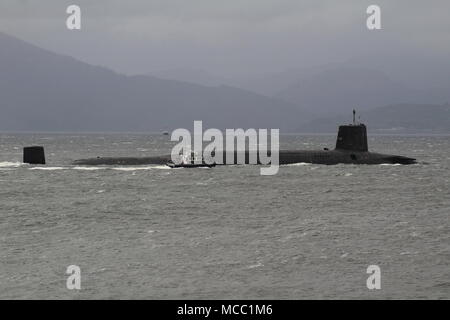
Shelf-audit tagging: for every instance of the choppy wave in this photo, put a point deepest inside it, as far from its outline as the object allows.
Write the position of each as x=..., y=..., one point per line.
x=257, y=265
x=163, y=167
x=298, y=164
x=47, y=168
x=9, y=164
x=88, y=168
x=139, y=213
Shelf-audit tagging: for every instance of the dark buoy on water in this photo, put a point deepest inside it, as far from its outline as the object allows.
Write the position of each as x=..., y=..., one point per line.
x=34, y=155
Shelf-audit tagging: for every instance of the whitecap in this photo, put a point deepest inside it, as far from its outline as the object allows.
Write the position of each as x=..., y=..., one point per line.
x=164, y=167
x=88, y=168
x=134, y=168
x=47, y=168
x=298, y=164
x=9, y=164
x=259, y=264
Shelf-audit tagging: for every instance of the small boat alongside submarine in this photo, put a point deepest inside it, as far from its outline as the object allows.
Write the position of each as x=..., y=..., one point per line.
x=190, y=161
x=351, y=148
x=172, y=165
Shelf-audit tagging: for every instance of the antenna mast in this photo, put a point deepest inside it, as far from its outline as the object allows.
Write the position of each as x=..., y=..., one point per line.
x=354, y=114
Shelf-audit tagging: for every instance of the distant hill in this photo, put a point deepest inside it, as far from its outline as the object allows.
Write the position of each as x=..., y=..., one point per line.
x=401, y=118
x=191, y=75
x=44, y=91
x=362, y=82
x=337, y=89
x=272, y=83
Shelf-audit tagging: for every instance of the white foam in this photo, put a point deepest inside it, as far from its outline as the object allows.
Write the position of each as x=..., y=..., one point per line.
x=299, y=164
x=87, y=168
x=124, y=168
x=164, y=167
x=253, y=266
x=8, y=164
x=48, y=168
x=390, y=164
x=135, y=168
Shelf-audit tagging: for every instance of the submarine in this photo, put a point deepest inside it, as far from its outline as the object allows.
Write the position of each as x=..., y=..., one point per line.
x=351, y=148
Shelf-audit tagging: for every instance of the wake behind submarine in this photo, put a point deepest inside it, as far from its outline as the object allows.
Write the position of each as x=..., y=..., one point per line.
x=351, y=148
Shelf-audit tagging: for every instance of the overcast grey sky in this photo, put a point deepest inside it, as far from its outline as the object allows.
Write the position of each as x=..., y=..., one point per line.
x=228, y=37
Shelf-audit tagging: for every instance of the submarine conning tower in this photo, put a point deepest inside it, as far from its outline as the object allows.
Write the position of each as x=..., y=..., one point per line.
x=352, y=137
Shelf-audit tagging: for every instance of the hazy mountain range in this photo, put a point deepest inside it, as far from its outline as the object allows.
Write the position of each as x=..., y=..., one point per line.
x=44, y=91
x=41, y=90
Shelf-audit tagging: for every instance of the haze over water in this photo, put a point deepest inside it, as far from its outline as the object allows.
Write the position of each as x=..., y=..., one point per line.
x=308, y=232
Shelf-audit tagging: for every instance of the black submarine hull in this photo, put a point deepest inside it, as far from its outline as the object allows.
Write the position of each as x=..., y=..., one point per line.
x=334, y=157
x=331, y=157
x=351, y=148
